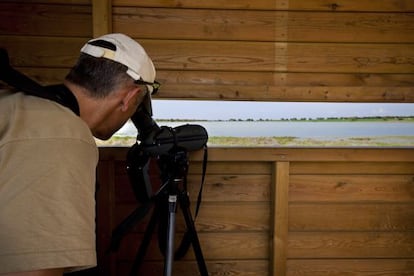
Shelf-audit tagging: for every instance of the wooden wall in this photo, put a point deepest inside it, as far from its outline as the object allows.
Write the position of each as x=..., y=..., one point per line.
x=265, y=211
x=267, y=50
x=293, y=211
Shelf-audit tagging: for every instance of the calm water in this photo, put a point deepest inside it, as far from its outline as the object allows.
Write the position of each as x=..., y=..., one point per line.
x=295, y=129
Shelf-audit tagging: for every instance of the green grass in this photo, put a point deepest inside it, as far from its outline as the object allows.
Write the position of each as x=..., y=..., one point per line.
x=389, y=141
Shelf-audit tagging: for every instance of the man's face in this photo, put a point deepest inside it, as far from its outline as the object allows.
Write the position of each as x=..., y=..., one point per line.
x=129, y=97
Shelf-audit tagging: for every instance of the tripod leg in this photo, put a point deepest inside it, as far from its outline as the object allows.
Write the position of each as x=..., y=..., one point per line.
x=145, y=242
x=169, y=256
x=192, y=233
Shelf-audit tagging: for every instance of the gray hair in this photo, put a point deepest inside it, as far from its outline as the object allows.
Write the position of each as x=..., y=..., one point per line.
x=99, y=76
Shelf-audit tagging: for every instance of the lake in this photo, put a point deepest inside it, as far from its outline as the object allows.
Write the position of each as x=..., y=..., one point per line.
x=320, y=130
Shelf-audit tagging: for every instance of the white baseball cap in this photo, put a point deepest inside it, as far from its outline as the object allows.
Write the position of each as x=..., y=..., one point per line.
x=123, y=49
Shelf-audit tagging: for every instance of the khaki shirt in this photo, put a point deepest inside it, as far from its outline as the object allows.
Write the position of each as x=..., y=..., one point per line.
x=48, y=159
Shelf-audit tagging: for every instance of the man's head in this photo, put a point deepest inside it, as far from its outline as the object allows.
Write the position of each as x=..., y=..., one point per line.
x=114, y=75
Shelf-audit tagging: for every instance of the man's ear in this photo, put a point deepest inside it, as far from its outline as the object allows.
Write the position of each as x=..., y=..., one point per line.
x=130, y=98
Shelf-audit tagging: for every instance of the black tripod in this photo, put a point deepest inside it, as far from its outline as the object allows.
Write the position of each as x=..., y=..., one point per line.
x=173, y=192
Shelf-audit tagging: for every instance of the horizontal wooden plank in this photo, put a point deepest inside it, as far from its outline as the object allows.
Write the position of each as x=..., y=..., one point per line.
x=353, y=245
x=215, y=246
x=351, y=188
x=232, y=188
x=343, y=94
x=32, y=51
x=349, y=5
x=351, y=217
x=220, y=4
x=217, y=217
x=238, y=168
x=282, y=80
x=190, y=268
x=182, y=79
x=223, y=188
x=45, y=20
x=309, y=154
x=63, y=2
x=341, y=5
x=350, y=58
x=292, y=94
x=243, y=154
x=219, y=174
x=202, y=24
x=44, y=76
x=281, y=57
x=369, y=168
x=233, y=217
x=348, y=27
x=350, y=267
x=223, y=55
x=204, y=55
x=195, y=167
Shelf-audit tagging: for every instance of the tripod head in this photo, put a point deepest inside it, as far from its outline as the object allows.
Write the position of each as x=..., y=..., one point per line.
x=169, y=145
x=158, y=141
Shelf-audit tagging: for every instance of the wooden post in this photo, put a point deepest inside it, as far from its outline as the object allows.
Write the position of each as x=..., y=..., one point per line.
x=280, y=219
x=101, y=17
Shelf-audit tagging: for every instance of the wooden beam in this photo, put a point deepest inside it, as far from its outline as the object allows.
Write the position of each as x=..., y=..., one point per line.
x=101, y=17
x=278, y=253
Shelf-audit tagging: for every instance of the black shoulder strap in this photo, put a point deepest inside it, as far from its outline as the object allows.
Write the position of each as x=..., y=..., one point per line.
x=58, y=93
x=62, y=95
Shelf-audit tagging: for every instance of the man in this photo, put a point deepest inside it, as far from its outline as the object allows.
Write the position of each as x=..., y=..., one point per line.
x=48, y=157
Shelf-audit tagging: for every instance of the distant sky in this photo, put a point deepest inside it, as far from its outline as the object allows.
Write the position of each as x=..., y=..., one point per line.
x=225, y=110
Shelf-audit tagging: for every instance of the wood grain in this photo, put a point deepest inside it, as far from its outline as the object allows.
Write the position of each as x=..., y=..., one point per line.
x=342, y=5
x=263, y=25
x=347, y=207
